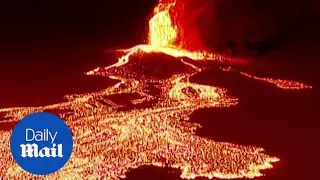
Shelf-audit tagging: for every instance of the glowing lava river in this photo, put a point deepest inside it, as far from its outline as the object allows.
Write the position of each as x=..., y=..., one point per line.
x=110, y=138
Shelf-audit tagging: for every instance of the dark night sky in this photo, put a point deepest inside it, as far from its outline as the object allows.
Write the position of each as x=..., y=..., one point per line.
x=35, y=21
x=49, y=44
x=64, y=21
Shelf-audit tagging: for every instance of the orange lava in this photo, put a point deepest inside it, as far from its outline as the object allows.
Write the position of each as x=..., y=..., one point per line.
x=282, y=84
x=110, y=138
x=279, y=83
x=164, y=38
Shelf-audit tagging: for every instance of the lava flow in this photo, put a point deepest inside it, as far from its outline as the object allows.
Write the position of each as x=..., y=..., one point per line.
x=111, y=138
x=164, y=38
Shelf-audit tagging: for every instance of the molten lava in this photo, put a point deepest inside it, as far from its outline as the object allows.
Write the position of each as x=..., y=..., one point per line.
x=110, y=139
x=164, y=37
x=162, y=31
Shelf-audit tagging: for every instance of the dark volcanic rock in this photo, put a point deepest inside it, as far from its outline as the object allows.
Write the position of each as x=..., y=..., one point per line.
x=150, y=66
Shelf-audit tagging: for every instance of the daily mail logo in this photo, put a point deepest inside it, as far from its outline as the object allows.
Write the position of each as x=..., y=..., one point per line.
x=33, y=150
x=41, y=143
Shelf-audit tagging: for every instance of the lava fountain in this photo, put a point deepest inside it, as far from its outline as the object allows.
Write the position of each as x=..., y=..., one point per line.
x=165, y=37
x=110, y=138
